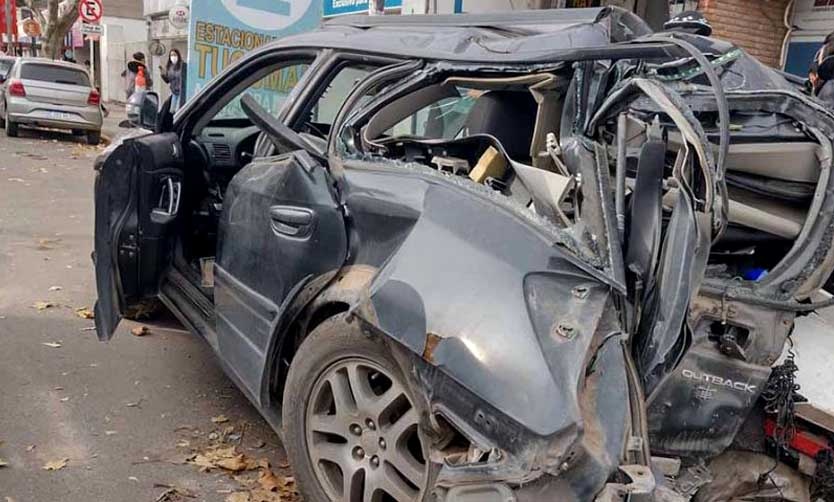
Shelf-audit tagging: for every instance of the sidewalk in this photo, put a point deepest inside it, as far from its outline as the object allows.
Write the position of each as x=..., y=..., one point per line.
x=110, y=128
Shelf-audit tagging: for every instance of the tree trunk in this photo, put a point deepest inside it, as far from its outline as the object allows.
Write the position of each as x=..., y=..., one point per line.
x=55, y=25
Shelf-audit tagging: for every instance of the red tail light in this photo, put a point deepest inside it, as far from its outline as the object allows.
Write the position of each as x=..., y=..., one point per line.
x=95, y=98
x=16, y=88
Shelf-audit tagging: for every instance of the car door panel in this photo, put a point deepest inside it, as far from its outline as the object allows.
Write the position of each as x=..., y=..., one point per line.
x=281, y=226
x=137, y=193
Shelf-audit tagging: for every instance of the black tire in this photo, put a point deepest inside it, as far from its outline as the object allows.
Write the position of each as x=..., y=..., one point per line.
x=78, y=132
x=3, y=121
x=93, y=137
x=330, y=344
x=11, y=128
x=145, y=310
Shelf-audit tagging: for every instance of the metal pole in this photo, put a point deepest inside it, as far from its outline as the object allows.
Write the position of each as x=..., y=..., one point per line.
x=8, y=5
x=93, y=60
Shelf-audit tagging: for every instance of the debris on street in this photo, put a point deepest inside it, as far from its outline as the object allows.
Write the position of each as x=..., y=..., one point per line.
x=43, y=305
x=55, y=465
x=52, y=345
x=84, y=313
x=140, y=331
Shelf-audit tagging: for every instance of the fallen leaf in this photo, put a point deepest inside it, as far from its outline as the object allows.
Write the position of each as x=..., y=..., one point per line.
x=259, y=444
x=220, y=419
x=238, y=497
x=226, y=458
x=85, y=313
x=133, y=478
x=31, y=447
x=3, y=463
x=46, y=244
x=183, y=443
x=43, y=305
x=140, y=331
x=55, y=288
x=54, y=465
x=135, y=404
x=269, y=481
x=89, y=328
x=53, y=345
x=110, y=433
x=64, y=399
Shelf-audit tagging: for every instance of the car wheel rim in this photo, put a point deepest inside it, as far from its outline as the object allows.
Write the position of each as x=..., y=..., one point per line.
x=361, y=431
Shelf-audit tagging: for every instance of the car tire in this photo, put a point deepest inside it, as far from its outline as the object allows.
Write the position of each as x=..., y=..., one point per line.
x=11, y=128
x=371, y=420
x=93, y=137
x=78, y=132
x=3, y=121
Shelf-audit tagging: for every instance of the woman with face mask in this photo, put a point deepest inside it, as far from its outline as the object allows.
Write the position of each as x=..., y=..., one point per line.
x=174, y=75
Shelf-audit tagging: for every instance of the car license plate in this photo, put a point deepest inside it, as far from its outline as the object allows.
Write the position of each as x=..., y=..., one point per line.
x=60, y=115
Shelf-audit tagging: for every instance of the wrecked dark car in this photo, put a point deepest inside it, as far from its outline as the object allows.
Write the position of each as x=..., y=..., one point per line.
x=535, y=256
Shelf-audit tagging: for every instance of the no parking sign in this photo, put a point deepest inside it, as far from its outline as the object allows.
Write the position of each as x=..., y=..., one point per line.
x=90, y=10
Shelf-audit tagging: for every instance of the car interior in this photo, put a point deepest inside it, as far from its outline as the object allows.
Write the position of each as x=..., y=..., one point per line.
x=502, y=132
x=230, y=140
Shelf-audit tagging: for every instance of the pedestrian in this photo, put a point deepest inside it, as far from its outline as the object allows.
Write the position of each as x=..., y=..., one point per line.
x=174, y=74
x=821, y=72
x=132, y=70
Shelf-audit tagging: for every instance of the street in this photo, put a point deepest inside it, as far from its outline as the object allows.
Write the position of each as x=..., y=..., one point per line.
x=125, y=420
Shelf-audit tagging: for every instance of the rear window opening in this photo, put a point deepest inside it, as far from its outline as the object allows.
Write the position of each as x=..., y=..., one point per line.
x=54, y=73
x=503, y=132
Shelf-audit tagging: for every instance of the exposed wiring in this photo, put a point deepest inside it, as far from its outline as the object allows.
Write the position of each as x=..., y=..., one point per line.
x=822, y=484
x=779, y=397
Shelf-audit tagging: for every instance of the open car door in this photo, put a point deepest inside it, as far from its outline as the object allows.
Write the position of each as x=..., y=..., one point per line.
x=137, y=196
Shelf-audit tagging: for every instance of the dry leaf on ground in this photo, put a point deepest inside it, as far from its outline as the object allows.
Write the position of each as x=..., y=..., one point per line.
x=3, y=463
x=140, y=331
x=43, y=305
x=53, y=345
x=238, y=497
x=46, y=244
x=54, y=465
x=85, y=313
x=220, y=419
x=55, y=288
x=226, y=458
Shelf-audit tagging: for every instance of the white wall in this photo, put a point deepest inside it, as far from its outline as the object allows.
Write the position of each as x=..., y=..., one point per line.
x=122, y=37
x=157, y=6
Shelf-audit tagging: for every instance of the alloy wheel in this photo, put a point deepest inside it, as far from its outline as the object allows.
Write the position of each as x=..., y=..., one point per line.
x=361, y=432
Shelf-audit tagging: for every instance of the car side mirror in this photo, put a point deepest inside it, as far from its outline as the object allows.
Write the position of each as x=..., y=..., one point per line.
x=143, y=109
x=825, y=71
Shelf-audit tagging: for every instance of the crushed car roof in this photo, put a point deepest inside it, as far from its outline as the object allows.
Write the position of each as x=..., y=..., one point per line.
x=516, y=36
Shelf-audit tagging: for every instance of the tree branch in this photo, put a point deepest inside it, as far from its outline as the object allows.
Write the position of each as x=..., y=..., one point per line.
x=70, y=15
x=36, y=12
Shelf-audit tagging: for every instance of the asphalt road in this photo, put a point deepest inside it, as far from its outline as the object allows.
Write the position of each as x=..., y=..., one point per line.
x=124, y=415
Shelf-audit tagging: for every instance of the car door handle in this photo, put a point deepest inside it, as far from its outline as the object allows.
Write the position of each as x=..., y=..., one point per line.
x=292, y=221
x=169, y=202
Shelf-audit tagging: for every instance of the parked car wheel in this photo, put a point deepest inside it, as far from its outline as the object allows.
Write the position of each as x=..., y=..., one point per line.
x=78, y=132
x=3, y=120
x=11, y=128
x=93, y=137
x=350, y=423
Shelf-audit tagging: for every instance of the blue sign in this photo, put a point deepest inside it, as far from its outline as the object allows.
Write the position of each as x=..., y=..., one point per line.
x=221, y=31
x=340, y=7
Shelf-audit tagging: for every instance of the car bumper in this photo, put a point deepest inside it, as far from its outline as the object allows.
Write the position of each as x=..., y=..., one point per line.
x=60, y=116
